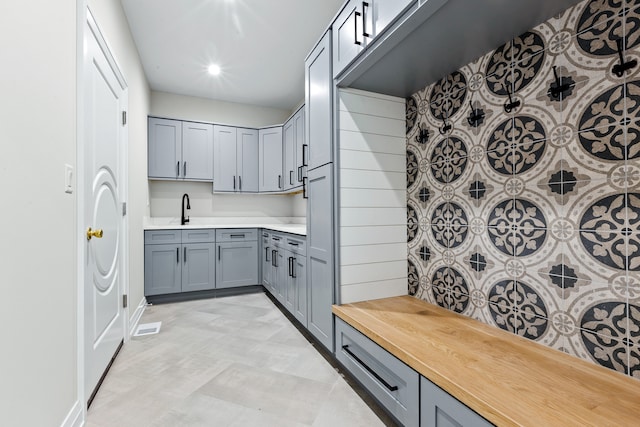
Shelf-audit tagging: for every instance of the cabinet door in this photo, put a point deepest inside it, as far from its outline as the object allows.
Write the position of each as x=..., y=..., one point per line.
x=197, y=151
x=270, y=152
x=301, y=147
x=384, y=13
x=198, y=267
x=289, y=136
x=247, y=154
x=281, y=276
x=320, y=254
x=165, y=148
x=224, y=142
x=290, y=283
x=348, y=38
x=162, y=269
x=237, y=264
x=439, y=409
x=266, y=261
x=300, y=277
x=318, y=103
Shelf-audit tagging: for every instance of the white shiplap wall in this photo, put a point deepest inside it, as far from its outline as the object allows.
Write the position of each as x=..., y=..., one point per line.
x=373, y=201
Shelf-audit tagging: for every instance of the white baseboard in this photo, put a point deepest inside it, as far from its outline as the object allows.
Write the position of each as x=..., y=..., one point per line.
x=135, y=319
x=74, y=417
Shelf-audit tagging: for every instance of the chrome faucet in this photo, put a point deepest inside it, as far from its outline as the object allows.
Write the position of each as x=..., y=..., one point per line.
x=184, y=219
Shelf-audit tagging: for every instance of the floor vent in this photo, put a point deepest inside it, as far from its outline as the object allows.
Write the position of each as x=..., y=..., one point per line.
x=147, y=329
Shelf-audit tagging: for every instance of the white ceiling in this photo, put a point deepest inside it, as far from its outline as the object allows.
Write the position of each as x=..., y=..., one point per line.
x=259, y=44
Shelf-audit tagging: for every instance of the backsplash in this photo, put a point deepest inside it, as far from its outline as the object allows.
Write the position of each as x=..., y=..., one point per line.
x=523, y=186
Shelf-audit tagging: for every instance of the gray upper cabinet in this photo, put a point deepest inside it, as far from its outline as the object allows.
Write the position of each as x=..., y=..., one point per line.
x=197, y=151
x=289, y=148
x=224, y=142
x=318, y=103
x=270, y=159
x=348, y=38
x=247, y=153
x=180, y=150
x=383, y=13
x=165, y=148
x=294, y=150
x=301, y=147
x=236, y=159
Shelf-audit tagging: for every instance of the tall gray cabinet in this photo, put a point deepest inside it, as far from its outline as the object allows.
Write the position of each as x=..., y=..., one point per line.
x=320, y=192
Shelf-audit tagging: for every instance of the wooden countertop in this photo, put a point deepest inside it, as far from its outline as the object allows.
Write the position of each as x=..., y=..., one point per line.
x=507, y=379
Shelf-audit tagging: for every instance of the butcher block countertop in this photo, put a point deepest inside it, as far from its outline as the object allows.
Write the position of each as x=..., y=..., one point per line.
x=507, y=379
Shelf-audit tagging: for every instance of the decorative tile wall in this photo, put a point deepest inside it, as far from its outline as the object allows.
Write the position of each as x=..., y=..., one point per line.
x=523, y=185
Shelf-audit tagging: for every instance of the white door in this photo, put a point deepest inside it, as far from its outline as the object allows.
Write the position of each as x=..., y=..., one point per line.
x=105, y=99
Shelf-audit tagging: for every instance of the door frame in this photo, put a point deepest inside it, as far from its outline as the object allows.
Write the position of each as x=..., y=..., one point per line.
x=85, y=25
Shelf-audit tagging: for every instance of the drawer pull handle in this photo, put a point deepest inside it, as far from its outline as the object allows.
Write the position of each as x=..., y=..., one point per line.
x=266, y=254
x=237, y=236
x=371, y=371
x=293, y=244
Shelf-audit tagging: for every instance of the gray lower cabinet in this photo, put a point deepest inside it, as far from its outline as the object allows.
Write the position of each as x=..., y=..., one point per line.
x=266, y=260
x=389, y=380
x=237, y=258
x=299, y=279
x=162, y=269
x=178, y=261
x=439, y=409
x=198, y=267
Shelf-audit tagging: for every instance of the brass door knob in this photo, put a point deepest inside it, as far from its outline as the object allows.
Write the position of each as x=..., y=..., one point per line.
x=94, y=233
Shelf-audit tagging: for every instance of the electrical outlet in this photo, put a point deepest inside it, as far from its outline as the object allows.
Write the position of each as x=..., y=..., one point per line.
x=68, y=179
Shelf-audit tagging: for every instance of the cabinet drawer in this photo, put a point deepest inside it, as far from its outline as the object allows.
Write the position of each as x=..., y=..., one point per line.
x=160, y=237
x=438, y=408
x=277, y=240
x=236, y=235
x=390, y=381
x=201, y=235
x=296, y=245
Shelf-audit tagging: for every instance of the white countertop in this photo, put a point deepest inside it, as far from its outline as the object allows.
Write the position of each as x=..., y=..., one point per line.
x=286, y=225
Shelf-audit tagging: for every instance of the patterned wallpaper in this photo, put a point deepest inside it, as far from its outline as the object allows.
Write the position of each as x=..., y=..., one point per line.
x=523, y=181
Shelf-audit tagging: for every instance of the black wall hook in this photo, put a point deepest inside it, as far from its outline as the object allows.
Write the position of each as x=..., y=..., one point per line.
x=446, y=128
x=511, y=105
x=476, y=116
x=423, y=136
x=623, y=66
x=561, y=86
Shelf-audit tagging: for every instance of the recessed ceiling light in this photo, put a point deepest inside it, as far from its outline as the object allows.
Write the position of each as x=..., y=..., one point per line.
x=214, y=69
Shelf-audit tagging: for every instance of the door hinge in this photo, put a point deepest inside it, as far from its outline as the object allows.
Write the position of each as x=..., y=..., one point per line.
x=124, y=208
x=124, y=118
x=124, y=301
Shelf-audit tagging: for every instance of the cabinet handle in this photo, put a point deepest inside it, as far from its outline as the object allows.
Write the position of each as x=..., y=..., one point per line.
x=304, y=154
x=185, y=255
x=236, y=236
x=279, y=181
x=177, y=255
x=290, y=177
x=218, y=252
x=274, y=256
x=289, y=272
x=293, y=243
x=184, y=169
x=266, y=254
x=355, y=25
x=365, y=5
x=177, y=169
x=240, y=182
x=234, y=182
x=304, y=188
x=371, y=371
x=293, y=267
x=300, y=173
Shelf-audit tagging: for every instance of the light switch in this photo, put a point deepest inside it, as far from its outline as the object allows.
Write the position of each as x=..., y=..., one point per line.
x=68, y=179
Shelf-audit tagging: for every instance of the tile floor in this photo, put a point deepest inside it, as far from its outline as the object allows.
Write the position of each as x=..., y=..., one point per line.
x=233, y=361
